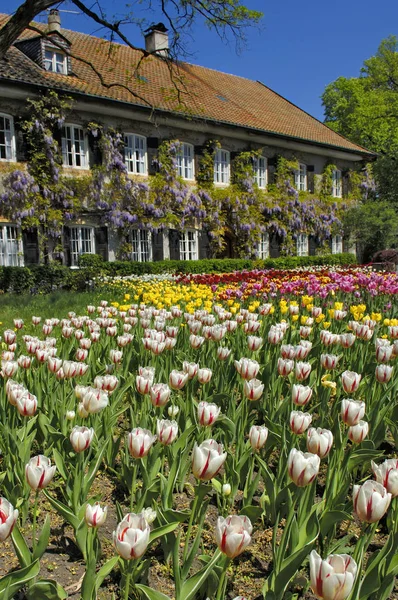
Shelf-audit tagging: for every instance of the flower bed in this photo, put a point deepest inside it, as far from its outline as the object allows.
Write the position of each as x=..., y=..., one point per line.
x=205, y=436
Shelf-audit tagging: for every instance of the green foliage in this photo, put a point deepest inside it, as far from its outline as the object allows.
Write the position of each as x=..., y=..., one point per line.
x=205, y=175
x=365, y=109
x=373, y=225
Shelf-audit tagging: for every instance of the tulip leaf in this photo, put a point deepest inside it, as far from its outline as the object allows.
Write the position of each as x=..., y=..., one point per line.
x=251, y=511
x=21, y=548
x=361, y=456
x=162, y=530
x=105, y=570
x=60, y=463
x=191, y=586
x=43, y=539
x=11, y=583
x=171, y=515
x=94, y=466
x=63, y=510
x=149, y=593
x=378, y=568
x=46, y=589
x=330, y=518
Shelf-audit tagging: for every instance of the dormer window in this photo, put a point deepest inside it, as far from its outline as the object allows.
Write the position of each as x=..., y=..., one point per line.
x=56, y=62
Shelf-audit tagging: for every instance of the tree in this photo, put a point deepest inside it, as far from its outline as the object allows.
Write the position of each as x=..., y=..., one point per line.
x=223, y=16
x=365, y=109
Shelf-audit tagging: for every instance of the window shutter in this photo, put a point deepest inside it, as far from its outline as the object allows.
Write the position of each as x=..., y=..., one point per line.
x=101, y=241
x=67, y=249
x=274, y=250
x=152, y=142
x=312, y=245
x=20, y=142
x=157, y=245
x=94, y=147
x=311, y=179
x=174, y=240
x=204, y=248
x=30, y=243
x=345, y=182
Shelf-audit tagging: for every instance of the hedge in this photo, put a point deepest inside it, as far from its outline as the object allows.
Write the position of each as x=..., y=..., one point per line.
x=47, y=278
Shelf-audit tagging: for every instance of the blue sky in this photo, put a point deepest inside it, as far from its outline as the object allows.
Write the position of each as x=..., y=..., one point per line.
x=298, y=50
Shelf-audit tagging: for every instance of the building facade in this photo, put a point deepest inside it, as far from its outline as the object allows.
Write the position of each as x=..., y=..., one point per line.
x=261, y=173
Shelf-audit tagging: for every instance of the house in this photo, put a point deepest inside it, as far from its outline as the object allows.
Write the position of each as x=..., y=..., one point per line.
x=162, y=101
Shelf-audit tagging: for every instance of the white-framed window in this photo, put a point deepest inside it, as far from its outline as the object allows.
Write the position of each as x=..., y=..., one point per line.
x=56, y=62
x=185, y=161
x=263, y=246
x=135, y=155
x=140, y=245
x=189, y=245
x=260, y=171
x=337, y=244
x=221, y=166
x=300, y=178
x=302, y=244
x=74, y=147
x=82, y=241
x=7, y=138
x=337, y=186
x=11, y=250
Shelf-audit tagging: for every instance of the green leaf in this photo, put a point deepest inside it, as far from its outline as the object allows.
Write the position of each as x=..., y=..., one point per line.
x=89, y=478
x=63, y=510
x=21, y=548
x=163, y=530
x=191, y=586
x=60, y=463
x=43, y=539
x=46, y=589
x=105, y=570
x=330, y=518
x=149, y=593
x=11, y=583
x=251, y=511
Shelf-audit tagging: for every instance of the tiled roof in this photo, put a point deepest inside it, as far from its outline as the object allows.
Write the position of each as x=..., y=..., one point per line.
x=210, y=95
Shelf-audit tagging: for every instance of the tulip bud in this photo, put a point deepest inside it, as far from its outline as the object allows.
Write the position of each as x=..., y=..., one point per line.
x=285, y=366
x=26, y=404
x=226, y=489
x=173, y=411
x=253, y=389
x=387, y=475
x=177, y=379
x=8, y=518
x=301, y=394
x=223, y=353
x=167, y=431
x=95, y=515
x=36, y=320
x=352, y=411
x=383, y=373
x=140, y=441
x=233, y=534
x=70, y=415
x=357, y=433
x=333, y=578
x=302, y=467
x=350, y=381
x=319, y=441
x=371, y=500
x=258, y=435
x=204, y=375
x=81, y=438
x=207, y=459
x=131, y=537
x=299, y=421
x=247, y=368
x=302, y=370
x=207, y=413
x=329, y=361
x=39, y=472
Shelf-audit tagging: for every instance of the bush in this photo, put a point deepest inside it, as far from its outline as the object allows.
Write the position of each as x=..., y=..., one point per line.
x=47, y=278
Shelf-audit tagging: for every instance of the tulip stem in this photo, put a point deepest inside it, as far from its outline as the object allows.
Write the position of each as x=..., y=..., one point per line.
x=129, y=571
x=223, y=580
x=34, y=524
x=133, y=485
x=190, y=524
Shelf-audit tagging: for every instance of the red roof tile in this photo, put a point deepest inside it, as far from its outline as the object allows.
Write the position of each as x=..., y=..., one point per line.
x=210, y=95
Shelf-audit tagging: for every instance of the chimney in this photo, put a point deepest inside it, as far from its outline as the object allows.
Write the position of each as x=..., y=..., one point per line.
x=54, y=21
x=157, y=40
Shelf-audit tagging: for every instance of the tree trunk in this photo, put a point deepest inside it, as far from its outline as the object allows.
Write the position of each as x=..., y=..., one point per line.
x=20, y=20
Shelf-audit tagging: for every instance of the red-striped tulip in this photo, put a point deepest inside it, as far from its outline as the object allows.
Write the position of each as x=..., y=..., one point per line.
x=357, y=433
x=95, y=515
x=334, y=577
x=207, y=459
x=139, y=442
x=319, y=441
x=207, y=413
x=233, y=534
x=371, y=501
x=302, y=467
x=39, y=472
x=131, y=537
x=299, y=421
x=387, y=475
x=8, y=518
x=350, y=381
x=81, y=438
x=352, y=411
